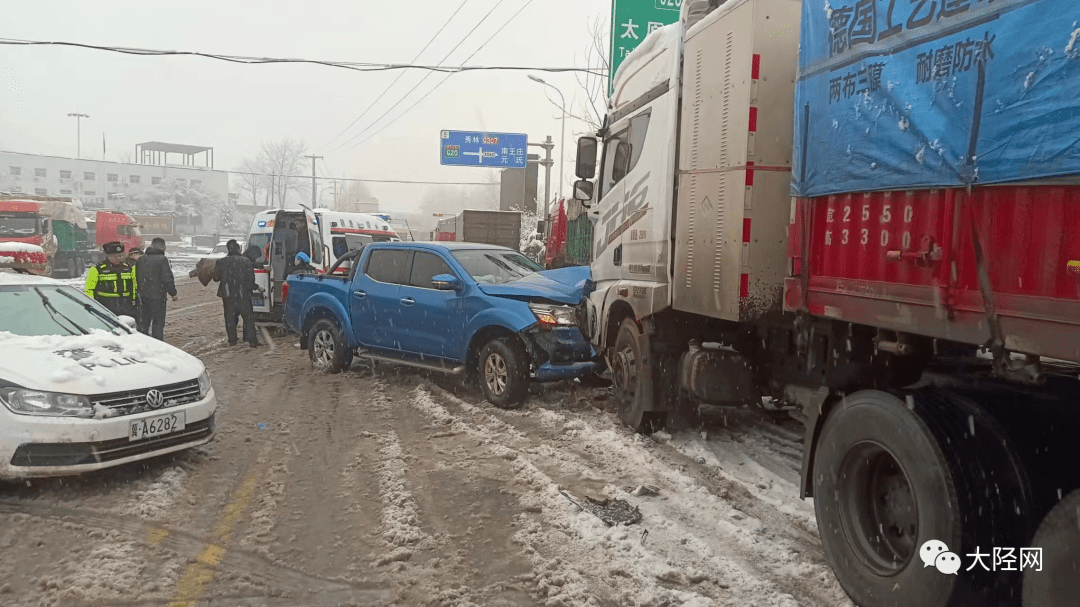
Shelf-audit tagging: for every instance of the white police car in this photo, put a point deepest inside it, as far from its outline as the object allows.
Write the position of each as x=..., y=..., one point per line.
x=81, y=389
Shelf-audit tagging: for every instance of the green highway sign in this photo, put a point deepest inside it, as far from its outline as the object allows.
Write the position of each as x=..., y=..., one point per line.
x=632, y=21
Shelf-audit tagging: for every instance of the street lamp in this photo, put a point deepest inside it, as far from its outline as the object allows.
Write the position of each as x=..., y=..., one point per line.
x=78, y=132
x=562, y=142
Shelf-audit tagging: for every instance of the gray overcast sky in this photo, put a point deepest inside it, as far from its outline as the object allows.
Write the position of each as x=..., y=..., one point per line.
x=234, y=107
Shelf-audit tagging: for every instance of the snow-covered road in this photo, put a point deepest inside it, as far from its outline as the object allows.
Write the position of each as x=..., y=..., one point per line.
x=389, y=486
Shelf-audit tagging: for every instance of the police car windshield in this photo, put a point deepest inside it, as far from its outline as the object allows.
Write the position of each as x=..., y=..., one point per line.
x=25, y=315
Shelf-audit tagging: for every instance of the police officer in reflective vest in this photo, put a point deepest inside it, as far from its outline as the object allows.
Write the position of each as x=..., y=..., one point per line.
x=112, y=282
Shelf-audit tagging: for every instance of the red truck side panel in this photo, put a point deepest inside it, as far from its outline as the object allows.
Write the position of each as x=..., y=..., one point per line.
x=906, y=261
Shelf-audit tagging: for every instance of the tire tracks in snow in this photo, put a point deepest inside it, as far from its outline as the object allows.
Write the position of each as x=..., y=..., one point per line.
x=710, y=554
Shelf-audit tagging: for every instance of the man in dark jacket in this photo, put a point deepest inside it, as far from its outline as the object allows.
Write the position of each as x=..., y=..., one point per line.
x=155, y=280
x=237, y=276
x=254, y=253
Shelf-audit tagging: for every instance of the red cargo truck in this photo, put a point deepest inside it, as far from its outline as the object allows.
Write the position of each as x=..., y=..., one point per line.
x=114, y=226
x=879, y=233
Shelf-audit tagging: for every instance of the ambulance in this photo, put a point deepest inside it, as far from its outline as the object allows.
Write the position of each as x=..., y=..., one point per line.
x=323, y=234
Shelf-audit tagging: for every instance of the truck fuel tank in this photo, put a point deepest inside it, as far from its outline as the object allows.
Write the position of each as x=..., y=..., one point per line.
x=716, y=376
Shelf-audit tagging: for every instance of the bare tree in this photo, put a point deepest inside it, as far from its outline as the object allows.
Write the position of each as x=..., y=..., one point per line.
x=594, y=82
x=284, y=160
x=251, y=182
x=124, y=157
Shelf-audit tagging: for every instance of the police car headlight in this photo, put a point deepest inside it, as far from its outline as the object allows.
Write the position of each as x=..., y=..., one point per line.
x=204, y=384
x=39, y=402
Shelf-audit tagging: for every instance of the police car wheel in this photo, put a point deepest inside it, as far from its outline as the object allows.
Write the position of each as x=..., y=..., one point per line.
x=892, y=472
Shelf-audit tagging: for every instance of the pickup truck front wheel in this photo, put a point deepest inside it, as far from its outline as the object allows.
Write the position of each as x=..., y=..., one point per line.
x=502, y=373
x=327, y=348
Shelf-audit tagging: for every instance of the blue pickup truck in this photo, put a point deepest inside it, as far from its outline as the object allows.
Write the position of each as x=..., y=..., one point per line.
x=453, y=307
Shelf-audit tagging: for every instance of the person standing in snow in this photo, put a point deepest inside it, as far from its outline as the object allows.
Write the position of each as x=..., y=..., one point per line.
x=237, y=276
x=112, y=282
x=254, y=254
x=156, y=279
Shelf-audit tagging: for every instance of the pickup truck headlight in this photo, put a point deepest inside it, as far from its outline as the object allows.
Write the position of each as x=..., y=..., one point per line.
x=39, y=402
x=554, y=316
x=204, y=384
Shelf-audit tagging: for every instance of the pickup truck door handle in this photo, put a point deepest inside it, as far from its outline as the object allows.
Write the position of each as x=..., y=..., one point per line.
x=407, y=301
x=359, y=294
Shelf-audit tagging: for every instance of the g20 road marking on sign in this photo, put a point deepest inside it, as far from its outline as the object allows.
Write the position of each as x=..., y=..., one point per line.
x=479, y=149
x=632, y=21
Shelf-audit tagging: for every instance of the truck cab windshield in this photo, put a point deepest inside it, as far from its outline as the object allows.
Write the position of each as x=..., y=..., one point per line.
x=20, y=224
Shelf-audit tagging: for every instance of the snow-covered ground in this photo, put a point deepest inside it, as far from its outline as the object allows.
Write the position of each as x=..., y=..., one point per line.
x=395, y=487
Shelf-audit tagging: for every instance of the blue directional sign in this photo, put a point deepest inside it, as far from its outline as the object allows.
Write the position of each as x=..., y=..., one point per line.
x=477, y=149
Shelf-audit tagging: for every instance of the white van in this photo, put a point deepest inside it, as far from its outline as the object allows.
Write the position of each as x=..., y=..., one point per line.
x=323, y=234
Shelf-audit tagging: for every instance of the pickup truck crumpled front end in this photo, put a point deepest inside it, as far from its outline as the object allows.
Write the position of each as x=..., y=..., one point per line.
x=560, y=353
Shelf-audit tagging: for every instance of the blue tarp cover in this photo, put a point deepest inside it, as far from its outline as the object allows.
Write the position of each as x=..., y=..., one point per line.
x=906, y=94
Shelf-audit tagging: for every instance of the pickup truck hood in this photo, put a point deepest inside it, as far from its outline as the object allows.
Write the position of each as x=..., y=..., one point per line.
x=566, y=285
x=98, y=363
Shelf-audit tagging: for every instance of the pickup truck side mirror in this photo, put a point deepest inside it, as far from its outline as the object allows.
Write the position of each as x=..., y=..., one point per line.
x=586, y=158
x=446, y=282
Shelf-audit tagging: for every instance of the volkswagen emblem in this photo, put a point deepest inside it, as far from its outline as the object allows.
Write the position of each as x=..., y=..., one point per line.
x=155, y=399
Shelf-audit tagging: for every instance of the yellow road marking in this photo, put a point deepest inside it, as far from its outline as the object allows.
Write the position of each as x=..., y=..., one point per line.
x=155, y=536
x=194, y=580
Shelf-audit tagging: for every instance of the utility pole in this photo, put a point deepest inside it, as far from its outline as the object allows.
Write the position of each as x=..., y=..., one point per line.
x=313, y=187
x=78, y=132
x=548, y=145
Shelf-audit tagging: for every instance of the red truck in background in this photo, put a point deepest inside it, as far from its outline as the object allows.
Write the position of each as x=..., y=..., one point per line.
x=112, y=226
x=872, y=226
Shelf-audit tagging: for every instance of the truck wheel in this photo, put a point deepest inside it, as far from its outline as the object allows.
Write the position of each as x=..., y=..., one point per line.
x=502, y=373
x=327, y=348
x=891, y=475
x=48, y=271
x=1057, y=583
x=627, y=373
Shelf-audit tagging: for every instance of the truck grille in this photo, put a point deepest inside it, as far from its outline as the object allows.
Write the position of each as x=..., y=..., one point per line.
x=134, y=401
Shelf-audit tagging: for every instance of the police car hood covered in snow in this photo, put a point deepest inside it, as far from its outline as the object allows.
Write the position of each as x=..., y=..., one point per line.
x=97, y=363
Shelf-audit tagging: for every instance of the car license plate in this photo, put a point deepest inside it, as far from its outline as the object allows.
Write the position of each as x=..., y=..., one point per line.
x=257, y=300
x=149, y=427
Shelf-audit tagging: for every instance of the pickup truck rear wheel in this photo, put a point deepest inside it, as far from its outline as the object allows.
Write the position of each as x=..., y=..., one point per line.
x=892, y=473
x=327, y=348
x=502, y=373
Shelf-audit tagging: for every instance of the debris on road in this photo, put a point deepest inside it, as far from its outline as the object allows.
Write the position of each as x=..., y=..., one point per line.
x=613, y=512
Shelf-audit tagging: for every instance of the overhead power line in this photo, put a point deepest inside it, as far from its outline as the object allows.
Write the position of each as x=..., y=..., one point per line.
x=400, y=74
x=350, y=65
x=425, y=96
x=426, y=76
x=404, y=181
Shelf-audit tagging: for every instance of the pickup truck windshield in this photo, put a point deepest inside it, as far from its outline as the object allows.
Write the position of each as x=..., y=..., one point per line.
x=19, y=224
x=493, y=266
x=24, y=313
